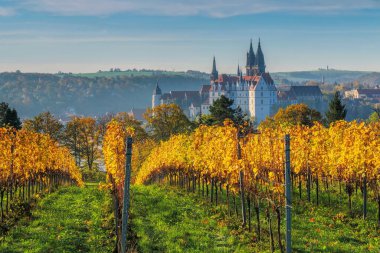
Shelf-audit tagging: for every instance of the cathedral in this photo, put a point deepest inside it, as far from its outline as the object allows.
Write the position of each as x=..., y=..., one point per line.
x=253, y=91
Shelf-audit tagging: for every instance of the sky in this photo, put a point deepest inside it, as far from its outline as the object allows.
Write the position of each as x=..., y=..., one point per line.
x=89, y=35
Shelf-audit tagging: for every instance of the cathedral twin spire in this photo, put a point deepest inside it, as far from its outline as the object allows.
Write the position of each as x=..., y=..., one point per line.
x=255, y=64
x=260, y=62
x=251, y=56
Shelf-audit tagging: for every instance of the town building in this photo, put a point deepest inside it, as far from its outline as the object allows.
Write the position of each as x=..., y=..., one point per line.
x=371, y=94
x=253, y=91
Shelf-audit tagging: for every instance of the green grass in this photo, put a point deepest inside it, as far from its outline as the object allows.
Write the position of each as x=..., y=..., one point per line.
x=168, y=219
x=71, y=219
x=330, y=227
x=165, y=219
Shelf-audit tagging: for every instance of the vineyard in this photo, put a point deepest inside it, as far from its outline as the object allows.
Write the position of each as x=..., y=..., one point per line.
x=233, y=167
x=225, y=182
x=31, y=164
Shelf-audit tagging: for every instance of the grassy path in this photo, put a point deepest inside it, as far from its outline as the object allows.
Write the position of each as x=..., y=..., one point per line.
x=70, y=220
x=166, y=220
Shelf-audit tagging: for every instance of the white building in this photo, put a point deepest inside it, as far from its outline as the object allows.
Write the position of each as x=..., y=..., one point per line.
x=363, y=94
x=254, y=92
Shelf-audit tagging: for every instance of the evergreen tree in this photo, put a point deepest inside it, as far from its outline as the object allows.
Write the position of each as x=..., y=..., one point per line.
x=9, y=117
x=337, y=110
x=221, y=109
x=204, y=119
x=240, y=117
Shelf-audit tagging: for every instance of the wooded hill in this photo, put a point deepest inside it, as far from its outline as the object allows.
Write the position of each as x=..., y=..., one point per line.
x=114, y=91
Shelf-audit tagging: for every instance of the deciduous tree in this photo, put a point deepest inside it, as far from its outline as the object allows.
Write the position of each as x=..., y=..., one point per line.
x=45, y=123
x=298, y=114
x=166, y=120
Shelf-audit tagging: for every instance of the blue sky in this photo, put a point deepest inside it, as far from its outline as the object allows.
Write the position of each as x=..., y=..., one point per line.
x=88, y=35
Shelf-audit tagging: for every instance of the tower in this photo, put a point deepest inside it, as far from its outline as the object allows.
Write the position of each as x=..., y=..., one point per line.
x=214, y=72
x=239, y=74
x=156, y=97
x=251, y=58
x=260, y=62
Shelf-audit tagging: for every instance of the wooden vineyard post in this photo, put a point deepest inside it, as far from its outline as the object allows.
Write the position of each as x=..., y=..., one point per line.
x=241, y=183
x=364, y=197
x=288, y=196
x=126, y=196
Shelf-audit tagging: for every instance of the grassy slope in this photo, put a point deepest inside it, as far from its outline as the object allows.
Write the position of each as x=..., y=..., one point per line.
x=69, y=220
x=167, y=220
x=171, y=221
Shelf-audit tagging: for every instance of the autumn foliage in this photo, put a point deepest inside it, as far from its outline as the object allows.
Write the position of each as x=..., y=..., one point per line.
x=26, y=155
x=346, y=151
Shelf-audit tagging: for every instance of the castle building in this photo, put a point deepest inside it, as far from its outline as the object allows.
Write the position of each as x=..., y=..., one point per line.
x=254, y=92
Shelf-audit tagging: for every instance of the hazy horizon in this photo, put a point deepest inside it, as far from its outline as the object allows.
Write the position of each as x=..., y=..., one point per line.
x=83, y=36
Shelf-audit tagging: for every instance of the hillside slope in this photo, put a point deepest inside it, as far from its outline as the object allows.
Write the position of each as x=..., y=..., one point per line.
x=63, y=95
x=95, y=94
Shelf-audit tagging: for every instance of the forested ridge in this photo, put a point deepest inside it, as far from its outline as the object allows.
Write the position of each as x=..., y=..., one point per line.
x=94, y=94
x=63, y=95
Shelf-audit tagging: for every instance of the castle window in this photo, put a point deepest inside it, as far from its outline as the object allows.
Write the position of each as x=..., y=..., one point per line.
x=262, y=94
x=262, y=102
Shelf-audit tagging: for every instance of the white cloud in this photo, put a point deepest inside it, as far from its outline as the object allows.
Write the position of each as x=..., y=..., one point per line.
x=215, y=8
x=5, y=12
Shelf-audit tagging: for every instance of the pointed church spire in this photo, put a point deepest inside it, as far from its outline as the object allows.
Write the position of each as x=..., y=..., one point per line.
x=157, y=90
x=251, y=55
x=238, y=70
x=214, y=72
x=260, y=62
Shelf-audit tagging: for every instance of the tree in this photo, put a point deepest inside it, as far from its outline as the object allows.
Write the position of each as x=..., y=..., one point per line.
x=103, y=121
x=205, y=119
x=166, y=120
x=9, y=117
x=298, y=114
x=82, y=136
x=89, y=140
x=45, y=123
x=240, y=118
x=337, y=110
x=221, y=109
x=71, y=138
x=374, y=117
x=376, y=110
x=128, y=121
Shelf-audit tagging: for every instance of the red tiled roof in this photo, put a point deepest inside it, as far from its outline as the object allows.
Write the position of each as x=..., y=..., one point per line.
x=268, y=79
x=227, y=79
x=252, y=78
